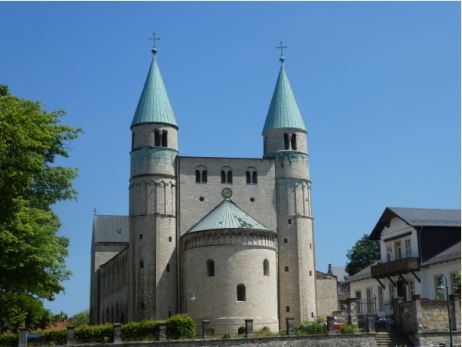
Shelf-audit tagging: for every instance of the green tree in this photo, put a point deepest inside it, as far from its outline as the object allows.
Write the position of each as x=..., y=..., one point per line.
x=32, y=256
x=363, y=254
x=80, y=319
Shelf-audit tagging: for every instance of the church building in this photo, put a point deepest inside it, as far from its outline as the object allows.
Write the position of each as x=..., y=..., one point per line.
x=222, y=239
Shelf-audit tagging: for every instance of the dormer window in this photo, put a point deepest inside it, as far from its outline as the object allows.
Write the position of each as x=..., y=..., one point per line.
x=201, y=174
x=226, y=175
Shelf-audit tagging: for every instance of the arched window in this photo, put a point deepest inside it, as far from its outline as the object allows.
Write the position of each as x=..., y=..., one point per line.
x=210, y=268
x=293, y=141
x=168, y=268
x=251, y=175
x=226, y=175
x=201, y=174
x=240, y=292
x=266, y=267
x=286, y=141
x=157, y=138
x=164, y=138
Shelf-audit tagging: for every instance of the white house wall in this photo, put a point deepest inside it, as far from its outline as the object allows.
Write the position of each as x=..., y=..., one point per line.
x=398, y=227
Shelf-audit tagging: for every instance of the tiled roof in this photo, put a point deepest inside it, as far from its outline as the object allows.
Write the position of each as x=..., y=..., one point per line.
x=227, y=215
x=428, y=216
x=283, y=111
x=110, y=229
x=418, y=217
x=154, y=104
x=451, y=253
x=363, y=274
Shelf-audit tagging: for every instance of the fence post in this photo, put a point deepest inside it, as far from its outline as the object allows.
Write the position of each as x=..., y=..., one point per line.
x=248, y=327
x=290, y=325
x=352, y=308
x=330, y=325
x=22, y=337
x=205, y=329
x=70, y=335
x=117, y=332
x=162, y=331
x=371, y=324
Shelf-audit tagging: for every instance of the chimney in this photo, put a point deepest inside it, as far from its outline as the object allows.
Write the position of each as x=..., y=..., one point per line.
x=329, y=270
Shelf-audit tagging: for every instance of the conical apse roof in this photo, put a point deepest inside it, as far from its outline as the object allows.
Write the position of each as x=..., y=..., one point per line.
x=227, y=215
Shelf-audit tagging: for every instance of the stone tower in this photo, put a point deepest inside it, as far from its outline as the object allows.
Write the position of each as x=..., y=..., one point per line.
x=285, y=140
x=152, y=204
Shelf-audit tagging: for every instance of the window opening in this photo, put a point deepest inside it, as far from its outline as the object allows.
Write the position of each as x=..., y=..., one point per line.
x=240, y=292
x=164, y=138
x=156, y=138
x=293, y=141
x=210, y=268
x=286, y=141
x=266, y=267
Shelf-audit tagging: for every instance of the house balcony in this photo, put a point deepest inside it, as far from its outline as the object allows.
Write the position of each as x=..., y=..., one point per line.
x=396, y=267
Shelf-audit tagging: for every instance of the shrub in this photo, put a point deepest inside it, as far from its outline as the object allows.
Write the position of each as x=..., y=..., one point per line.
x=309, y=328
x=48, y=337
x=227, y=336
x=140, y=330
x=350, y=329
x=96, y=333
x=263, y=332
x=180, y=326
x=7, y=340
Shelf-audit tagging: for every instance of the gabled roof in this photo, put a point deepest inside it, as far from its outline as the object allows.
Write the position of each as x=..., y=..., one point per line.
x=451, y=253
x=227, y=215
x=154, y=104
x=110, y=229
x=417, y=217
x=283, y=111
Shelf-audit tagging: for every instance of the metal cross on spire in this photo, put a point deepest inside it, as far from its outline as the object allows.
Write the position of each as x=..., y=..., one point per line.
x=154, y=40
x=281, y=47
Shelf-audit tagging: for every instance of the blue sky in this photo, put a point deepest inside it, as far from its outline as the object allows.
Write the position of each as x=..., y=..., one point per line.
x=378, y=85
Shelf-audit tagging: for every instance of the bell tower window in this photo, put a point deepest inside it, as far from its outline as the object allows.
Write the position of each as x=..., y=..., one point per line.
x=164, y=138
x=201, y=174
x=156, y=138
x=293, y=141
x=251, y=175
x=286, y=141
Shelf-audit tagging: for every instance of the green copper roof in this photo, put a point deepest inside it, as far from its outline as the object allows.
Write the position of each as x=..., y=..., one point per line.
x=227, y=215
x=283, y=111
x=154, y=104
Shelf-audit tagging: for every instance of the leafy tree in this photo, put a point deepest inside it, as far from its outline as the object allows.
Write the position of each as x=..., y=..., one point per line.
x=32, y=256
x=80, y=319
x=363, y=254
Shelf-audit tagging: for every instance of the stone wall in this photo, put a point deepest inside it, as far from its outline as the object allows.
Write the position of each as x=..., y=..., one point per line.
x=362, y=340
x=438, y=339
x=326, y=294
x=434, y=315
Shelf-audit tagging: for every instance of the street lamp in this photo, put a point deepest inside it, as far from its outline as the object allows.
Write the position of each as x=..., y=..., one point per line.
x=444, y=287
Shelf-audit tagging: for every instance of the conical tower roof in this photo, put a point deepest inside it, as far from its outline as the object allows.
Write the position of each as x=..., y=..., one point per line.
x=283, y=111
x=227, y=215
x=154, y=104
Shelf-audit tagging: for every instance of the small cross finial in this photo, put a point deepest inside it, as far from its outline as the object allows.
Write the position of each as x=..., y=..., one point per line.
x=154, y=40
x=281, y=47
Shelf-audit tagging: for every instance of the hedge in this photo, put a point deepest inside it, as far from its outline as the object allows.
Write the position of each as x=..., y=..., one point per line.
x=140, y=330
x=8, y=340
x=178, y=326
x=309, y=328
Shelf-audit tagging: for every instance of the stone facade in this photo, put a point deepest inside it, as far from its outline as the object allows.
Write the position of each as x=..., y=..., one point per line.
x=169, y=194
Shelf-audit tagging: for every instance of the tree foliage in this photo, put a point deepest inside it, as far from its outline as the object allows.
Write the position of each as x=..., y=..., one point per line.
x=32, y=256
x=80, y=319
x=363, y=254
